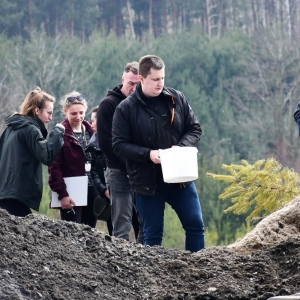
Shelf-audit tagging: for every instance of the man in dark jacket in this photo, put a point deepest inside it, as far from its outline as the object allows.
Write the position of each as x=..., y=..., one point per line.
x=121, y=195
x=137, y=137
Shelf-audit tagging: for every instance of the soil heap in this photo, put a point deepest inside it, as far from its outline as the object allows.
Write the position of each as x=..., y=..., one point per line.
x=45, y=259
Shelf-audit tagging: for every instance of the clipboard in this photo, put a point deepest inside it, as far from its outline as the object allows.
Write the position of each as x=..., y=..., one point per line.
x=77, y=188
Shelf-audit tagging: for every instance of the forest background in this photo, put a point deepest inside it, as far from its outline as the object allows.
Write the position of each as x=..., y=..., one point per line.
x=237, y=62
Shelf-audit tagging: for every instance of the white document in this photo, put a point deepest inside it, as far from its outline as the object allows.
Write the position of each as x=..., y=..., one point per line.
x=77, y=188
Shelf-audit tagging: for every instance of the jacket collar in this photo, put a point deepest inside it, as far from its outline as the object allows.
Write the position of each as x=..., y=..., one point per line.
x=138, y=94
x=93, y=143
x=116, y=92
x=42, y=127
x=69, y=131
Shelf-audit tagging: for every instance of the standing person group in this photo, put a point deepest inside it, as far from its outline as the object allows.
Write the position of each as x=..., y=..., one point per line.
x=23, y=150
x=137, y=137
x=127, y=130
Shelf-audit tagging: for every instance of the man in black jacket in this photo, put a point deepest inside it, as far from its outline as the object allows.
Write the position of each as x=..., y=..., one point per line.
x=117, y=181
x=137, y=137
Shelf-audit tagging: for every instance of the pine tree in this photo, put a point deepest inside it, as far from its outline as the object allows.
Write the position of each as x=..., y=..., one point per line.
x=262, y=188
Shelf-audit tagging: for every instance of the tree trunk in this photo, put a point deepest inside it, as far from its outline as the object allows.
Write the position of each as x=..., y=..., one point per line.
x=247, y=21
x=150, y=17
x=293, y=11
x=207, y=6
x=288, y=16
x=281, y=17
x=263, y=14
x=220, y=20
x=166, y=18
x=254, y=16
x=29, y=3
x=130, y=19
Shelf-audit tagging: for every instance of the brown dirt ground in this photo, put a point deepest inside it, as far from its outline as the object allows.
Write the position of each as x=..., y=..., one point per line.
x=45, y=259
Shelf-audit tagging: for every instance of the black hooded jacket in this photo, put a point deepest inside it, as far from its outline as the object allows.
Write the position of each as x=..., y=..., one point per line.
x=97, y=165
x=105, y=115
x=23, y=150
x=136, y=133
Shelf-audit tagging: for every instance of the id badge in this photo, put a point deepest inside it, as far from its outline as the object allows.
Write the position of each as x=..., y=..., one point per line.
x=87, y=167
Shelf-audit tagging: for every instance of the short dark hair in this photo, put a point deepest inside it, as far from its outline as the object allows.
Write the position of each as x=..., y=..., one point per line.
x=132, y=67
x=150, y=61
x=94, y=109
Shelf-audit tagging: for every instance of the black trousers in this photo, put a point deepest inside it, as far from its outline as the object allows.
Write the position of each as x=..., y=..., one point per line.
x=15, y=207
x=109, y=226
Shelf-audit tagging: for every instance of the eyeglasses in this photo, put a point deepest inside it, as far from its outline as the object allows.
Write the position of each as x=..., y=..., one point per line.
x=50, y=113
x=73, y=99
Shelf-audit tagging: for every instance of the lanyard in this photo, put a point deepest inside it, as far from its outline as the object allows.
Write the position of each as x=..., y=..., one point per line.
x=82, y=135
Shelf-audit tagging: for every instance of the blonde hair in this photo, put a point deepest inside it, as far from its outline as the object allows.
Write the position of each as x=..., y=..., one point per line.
x=65, y=104
x=34, y=99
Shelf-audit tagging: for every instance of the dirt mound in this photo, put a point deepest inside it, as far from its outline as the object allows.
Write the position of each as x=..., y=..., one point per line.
x=272, y=230
x=45, y=259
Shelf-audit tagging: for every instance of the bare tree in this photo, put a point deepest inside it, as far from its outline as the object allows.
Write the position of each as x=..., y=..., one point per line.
x=130, y=19
x=210, y=15
x=9, y=100
x=288, y=17
x=150, y=17
x=254, y=14
x=266, y=96
x=42, y=62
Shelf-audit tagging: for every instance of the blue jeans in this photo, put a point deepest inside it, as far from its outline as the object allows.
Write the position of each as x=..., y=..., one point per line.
x=186, y=204
x=121, y=198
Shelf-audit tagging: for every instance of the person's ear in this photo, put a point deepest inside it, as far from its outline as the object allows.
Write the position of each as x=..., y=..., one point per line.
x=122, y=79
x=36, y=111
x=141, y=79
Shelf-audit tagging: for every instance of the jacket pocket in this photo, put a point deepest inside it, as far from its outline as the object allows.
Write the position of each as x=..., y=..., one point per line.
x=117, y=180
x=8, y=185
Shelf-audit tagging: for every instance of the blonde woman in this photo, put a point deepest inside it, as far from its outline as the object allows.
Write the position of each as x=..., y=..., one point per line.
x=23, y=150
x=72, y=160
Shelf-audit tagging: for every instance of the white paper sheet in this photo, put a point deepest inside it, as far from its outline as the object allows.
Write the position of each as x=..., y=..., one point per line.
x=77, y=188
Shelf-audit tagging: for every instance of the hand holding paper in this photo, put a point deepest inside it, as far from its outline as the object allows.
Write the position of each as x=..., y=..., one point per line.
x=67, y=203
x=77, y=188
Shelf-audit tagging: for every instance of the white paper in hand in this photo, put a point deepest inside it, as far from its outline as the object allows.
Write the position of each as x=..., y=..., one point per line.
x=77, y=188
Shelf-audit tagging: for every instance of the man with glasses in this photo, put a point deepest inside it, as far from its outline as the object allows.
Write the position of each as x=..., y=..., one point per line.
x=121, y=195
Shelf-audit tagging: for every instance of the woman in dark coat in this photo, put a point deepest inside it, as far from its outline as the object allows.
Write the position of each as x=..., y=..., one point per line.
x=73, y=161
x=23, y=150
